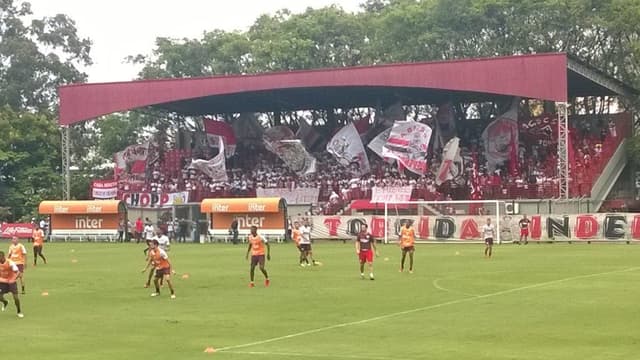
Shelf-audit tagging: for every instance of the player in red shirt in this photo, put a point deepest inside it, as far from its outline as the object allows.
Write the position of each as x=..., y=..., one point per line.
x=257, y=245
x=524, y=224
x=365, y=248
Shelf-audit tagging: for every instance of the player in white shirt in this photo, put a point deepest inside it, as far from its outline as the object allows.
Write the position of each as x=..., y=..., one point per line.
x=488, y=234
x=163, y=240
x=305, y=243
x=149, y=232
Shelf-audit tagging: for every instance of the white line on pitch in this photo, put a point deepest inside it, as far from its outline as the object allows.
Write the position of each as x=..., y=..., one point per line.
x=424, y=308
x=301, y=355
x=436, y=284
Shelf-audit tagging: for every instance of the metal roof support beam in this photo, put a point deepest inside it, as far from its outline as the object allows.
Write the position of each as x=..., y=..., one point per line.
x=66, y=175
x=600, y=78
x=563, y=150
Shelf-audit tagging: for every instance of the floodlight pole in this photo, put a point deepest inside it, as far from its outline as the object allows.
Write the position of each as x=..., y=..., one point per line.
x=66, y=186
x=563, y=150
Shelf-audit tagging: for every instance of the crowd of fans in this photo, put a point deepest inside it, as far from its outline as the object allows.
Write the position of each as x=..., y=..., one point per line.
x=536, y=176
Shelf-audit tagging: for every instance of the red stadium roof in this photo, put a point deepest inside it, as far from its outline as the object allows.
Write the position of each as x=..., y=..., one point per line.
x=553, y=77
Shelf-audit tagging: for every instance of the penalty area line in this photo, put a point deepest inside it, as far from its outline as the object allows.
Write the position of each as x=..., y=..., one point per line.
x=303, y=355
x=424, y=308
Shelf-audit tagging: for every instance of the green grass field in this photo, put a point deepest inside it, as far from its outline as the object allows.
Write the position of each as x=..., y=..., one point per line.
x=528, y=302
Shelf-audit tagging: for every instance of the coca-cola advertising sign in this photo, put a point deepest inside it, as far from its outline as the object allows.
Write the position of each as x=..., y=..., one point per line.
x=21, y=230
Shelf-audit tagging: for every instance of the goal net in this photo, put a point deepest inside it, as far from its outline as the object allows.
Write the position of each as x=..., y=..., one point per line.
x=447, y=221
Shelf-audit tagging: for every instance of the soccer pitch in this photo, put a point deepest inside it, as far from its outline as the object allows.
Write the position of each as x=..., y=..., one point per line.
x=527, y=302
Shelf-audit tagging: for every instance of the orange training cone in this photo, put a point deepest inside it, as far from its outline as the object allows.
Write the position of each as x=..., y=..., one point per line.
x=209, y=350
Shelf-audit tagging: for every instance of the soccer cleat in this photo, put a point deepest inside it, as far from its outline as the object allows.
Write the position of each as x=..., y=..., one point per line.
x=371, y=277
x=267, y=282
x=410, y=271
x=146, y=285
x=251, y=284
x=302, y=265
x=173, y=296
x=154, y=294
x=362, y=276
x=20, y=315
x=4, y=305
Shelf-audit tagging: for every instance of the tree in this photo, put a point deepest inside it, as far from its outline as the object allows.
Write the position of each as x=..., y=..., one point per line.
x=36, y=56
x=29, y=161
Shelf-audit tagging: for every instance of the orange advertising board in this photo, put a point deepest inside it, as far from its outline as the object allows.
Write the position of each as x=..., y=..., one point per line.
x=82, y=207
x=243, y=205
x=265, y=213
x=83, y=215
x=84, y=222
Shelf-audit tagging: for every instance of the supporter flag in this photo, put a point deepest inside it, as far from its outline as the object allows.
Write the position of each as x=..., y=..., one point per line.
x=308, y=135
x=448, y=169
x=274, y=134
x=377, y=143
x=215, y=168
x=476, y=192
x=513, y=155
x=408, y=143
x=346, y=146
x=219, y=129
x=132, y=160
x=247, y=127
x=295, y=156
x=444, y=124
x=362, y=126
x=501, y=137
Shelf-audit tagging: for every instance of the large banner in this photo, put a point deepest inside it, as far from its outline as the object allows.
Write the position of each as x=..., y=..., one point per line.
x=501, y=138
x=408, y=143
x=132, y=160
x=295, y=156
x=104, y=189
x=346, y=146
x=215, y=168
x=153, y=200
x=299, y=196
x=217, y=130
x=378, y=142
x=21, y=230
x=587, y=227
x=452, y=165
x=275, y=134
x=391, y=194
x=308, y=135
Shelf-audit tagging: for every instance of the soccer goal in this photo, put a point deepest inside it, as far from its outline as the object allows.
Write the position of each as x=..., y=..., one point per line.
x=445, y=221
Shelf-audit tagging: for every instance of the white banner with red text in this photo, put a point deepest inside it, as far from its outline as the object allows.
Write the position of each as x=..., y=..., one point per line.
x=298, y=196
x=391, y=194
x=579, y=228
x=19, y=230
x=104, y=189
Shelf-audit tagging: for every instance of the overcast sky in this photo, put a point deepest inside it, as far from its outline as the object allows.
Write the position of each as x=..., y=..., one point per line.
x=119, y=28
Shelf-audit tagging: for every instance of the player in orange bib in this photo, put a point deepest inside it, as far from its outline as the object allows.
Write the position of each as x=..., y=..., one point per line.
x=38, y=243
x=406, y=241
x=257, y=245
x=18, y=254
x=160, y=260
x=296, y=235
x=9, y=273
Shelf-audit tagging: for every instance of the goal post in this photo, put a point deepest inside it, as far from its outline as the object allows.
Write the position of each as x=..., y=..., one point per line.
x=452, y=221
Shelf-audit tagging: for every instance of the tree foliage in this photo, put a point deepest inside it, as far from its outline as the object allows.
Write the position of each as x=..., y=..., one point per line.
x=36, y=56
